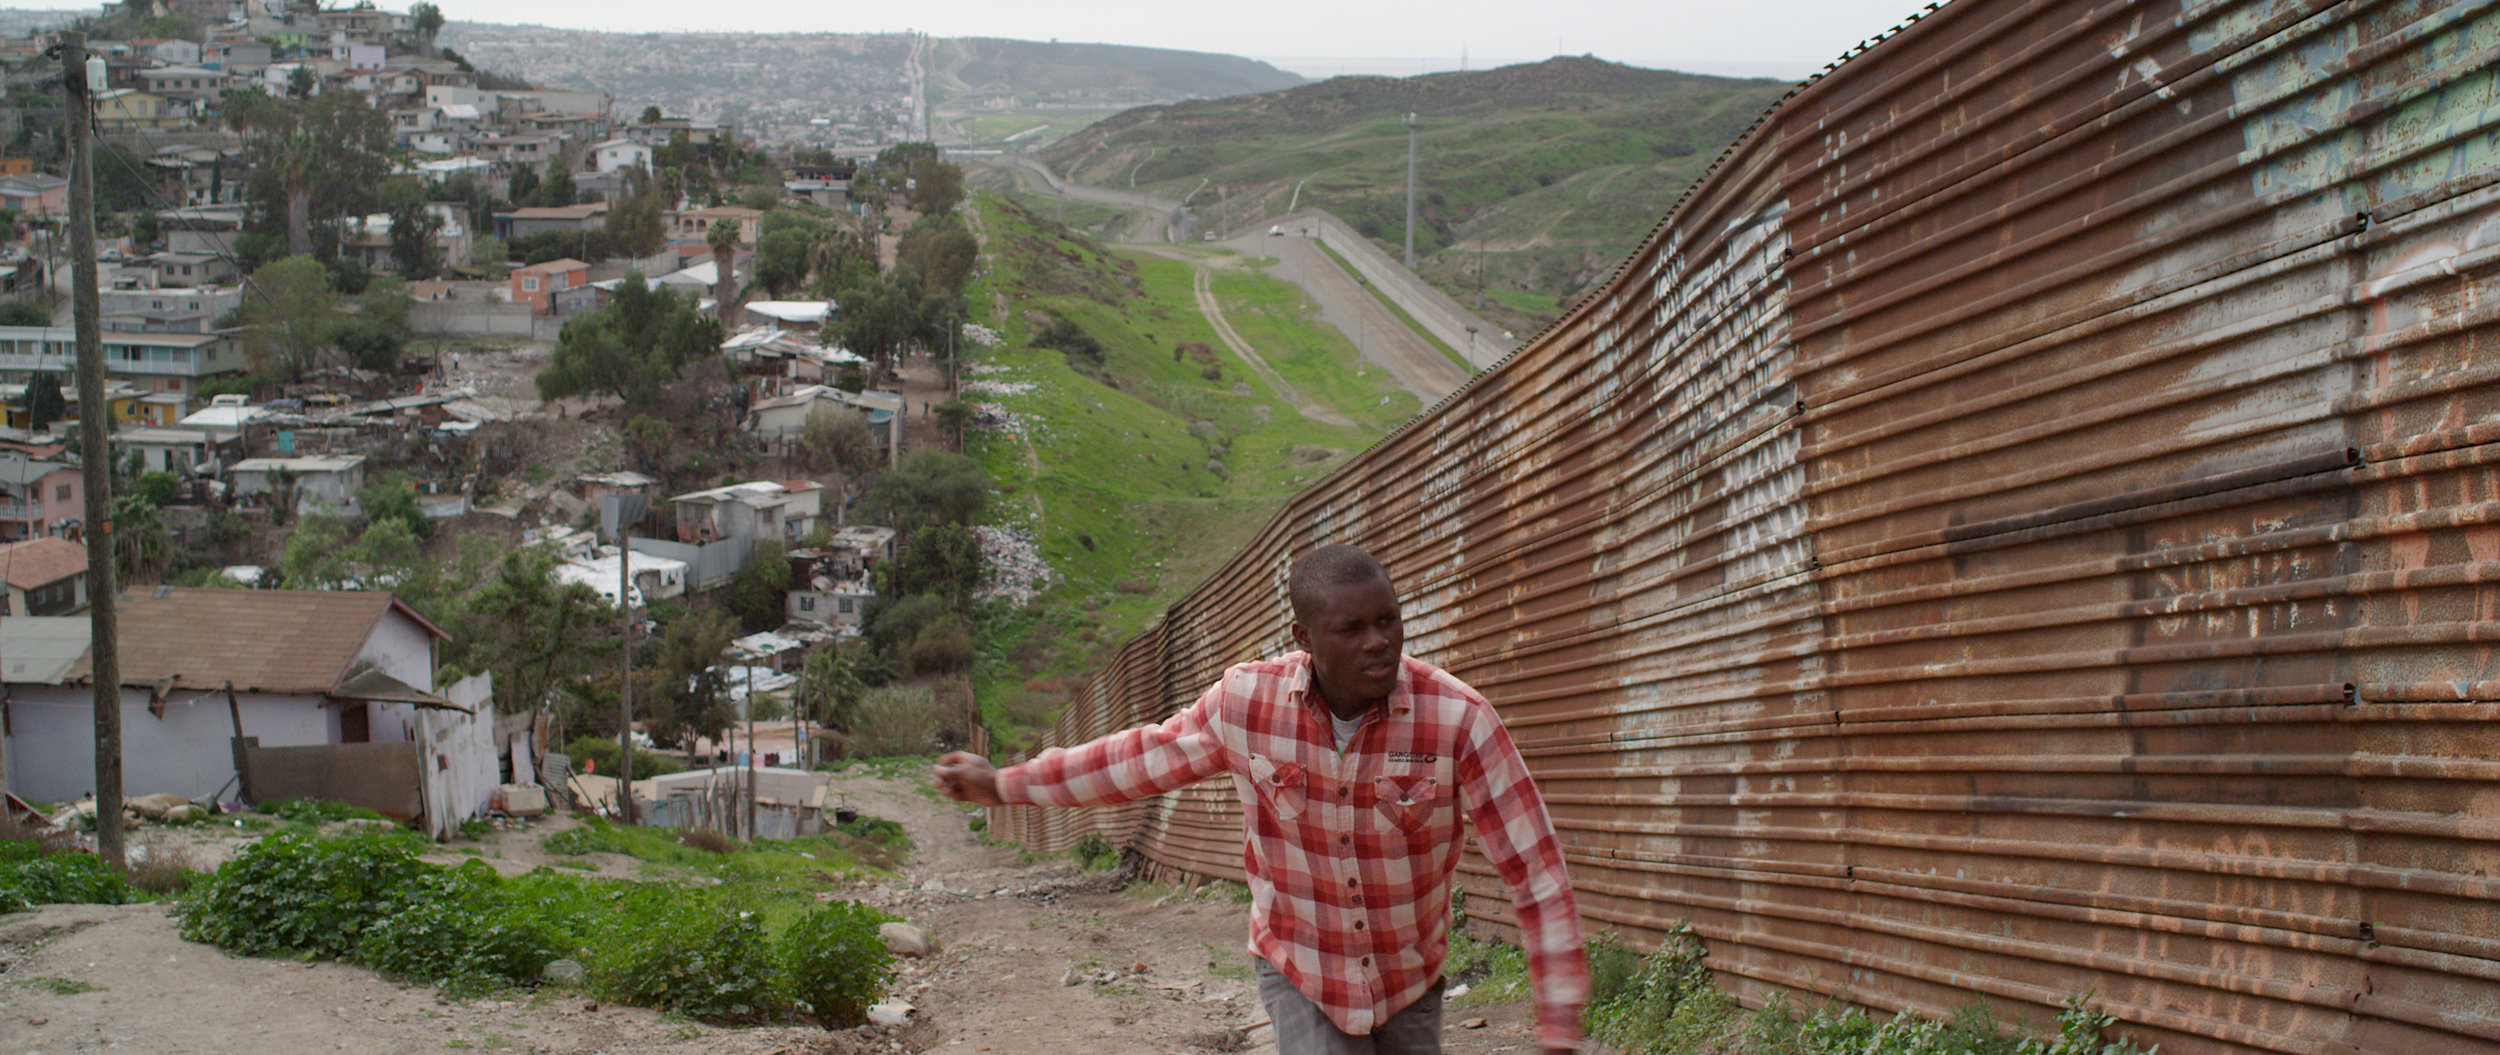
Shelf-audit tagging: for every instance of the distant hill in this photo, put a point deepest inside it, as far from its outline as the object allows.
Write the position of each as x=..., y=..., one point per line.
x=790, y=87
x=1543, y=174
x=1024, y=67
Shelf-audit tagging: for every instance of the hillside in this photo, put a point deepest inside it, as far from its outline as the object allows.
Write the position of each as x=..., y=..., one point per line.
x=1538, y=178
x=1142, y=453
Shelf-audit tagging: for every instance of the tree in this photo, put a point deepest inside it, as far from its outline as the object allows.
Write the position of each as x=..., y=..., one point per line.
x=756, y=593
x=556, y=191
x=637, y=220
x=290, y=316
x=877, y=319
x=629, y=348
x=842, y=261
x=44, y=402
x=522, y=186
x=687, y=696
x=838, y=438
x=23, y=313
x=144, y=227
x=323, y=156
x=427, y=20
x=929, y=487
x=723, y=239
x=936, y=187
x=395, y=499
x=942, y=251
x=650, y=115
x=941, y=559
x=781, y=258
x=414, y=227
x=536, y=635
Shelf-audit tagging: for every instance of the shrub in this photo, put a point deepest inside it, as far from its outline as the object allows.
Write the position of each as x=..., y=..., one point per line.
x=601, y=750
x=1641, y=1011
x=456, y=929
x=836, y=964
x=162, y=867
x=294, y=893
x=688, y=954
x=30, y=877
x=1094, y=853
x=894, y=720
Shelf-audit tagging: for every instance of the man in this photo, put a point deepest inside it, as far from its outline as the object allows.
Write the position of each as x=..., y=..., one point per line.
x=1354, y=764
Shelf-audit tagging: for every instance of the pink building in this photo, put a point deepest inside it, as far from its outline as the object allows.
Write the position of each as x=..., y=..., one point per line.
x=39, y=498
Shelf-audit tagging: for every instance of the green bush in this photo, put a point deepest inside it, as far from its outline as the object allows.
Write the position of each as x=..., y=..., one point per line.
x=1093, y=853
x=602, y=751
x=457, y=929
x=690, y=954
x=874, y=829
x=836, y=964
x=291, y=893
x=29, y=877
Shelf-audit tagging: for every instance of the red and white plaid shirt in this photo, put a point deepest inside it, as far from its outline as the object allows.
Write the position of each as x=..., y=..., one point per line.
x=1350, y=852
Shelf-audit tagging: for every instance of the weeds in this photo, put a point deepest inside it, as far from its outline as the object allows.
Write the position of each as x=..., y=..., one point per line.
x=1666, y=1002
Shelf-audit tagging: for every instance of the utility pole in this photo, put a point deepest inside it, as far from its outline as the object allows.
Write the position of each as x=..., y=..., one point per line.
x=625, y=698
x=1410, y=191
x=95, y=453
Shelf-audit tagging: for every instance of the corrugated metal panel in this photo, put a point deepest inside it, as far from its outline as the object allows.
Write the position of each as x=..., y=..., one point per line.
x=2026, y=523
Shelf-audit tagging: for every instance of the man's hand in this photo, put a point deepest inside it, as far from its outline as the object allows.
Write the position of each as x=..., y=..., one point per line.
x=967, y=777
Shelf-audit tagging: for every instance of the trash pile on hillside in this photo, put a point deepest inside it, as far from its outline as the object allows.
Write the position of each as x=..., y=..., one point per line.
x=1016, y=569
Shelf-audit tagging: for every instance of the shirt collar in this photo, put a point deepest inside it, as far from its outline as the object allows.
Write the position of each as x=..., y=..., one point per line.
x=1401, y=701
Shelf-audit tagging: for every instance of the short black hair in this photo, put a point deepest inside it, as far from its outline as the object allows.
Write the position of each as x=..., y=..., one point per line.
x=1335, y=564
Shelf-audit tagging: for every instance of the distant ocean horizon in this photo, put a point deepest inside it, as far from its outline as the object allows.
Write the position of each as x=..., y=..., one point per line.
x=1322, y=67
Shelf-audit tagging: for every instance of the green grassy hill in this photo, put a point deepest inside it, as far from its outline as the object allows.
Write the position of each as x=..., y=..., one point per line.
x=1139, y=475
x=1541, y=175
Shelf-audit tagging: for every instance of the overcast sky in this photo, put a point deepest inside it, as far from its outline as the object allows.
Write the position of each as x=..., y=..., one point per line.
x=1781, y=38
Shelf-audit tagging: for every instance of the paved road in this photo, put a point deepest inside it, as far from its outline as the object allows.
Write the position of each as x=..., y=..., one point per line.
x=1384, y=339
x=1343, y=300
x=1155, y=216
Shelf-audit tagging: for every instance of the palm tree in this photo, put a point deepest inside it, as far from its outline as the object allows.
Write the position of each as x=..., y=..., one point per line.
x=723, y=238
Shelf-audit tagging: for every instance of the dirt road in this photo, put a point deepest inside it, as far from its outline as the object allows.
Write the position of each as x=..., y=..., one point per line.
x=1153, y=973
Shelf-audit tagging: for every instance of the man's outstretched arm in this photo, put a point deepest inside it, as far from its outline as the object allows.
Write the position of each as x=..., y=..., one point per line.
x=1122, y=767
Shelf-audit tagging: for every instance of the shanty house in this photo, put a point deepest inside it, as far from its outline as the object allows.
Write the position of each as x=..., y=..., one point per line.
x=326, y=694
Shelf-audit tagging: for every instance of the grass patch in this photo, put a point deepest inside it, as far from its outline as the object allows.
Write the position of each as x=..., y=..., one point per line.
x=61, y=986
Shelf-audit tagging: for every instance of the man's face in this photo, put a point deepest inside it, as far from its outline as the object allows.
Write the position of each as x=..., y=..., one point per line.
x=1355, y=636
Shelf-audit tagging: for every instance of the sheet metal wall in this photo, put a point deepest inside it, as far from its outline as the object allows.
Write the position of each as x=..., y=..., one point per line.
x=2026, y=523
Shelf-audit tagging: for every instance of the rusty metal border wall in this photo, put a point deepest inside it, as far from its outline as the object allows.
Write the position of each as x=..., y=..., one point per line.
x=2026, y=523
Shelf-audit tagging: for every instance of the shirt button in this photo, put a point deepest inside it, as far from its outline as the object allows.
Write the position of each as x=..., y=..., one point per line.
x=1367, y=961
x=1345, y=840
x=1353, y=881
x=1358, y=924
x=1342, y=792
x=1358, y=899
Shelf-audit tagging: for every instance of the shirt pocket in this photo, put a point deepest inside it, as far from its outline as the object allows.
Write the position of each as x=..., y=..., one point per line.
x=1282, y=786
x=1414, y=803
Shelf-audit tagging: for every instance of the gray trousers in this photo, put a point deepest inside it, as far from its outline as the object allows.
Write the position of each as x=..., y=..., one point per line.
x=1302, y=1030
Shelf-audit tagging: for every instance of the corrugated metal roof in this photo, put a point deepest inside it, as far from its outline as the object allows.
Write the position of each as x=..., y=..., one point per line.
x=42, y=649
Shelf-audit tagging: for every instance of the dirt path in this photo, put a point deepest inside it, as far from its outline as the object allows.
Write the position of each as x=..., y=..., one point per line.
x=1203, y=286
x=1153, y=973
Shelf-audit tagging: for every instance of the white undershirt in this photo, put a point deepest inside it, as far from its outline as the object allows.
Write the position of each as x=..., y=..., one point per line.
x=1345, y=729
